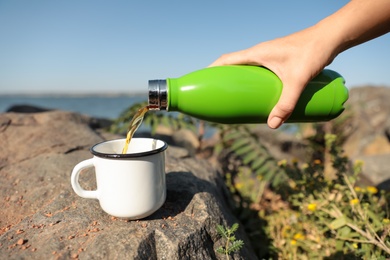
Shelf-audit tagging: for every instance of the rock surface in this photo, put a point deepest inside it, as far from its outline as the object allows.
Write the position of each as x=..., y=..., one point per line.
x=42, y=218
x=369, y=138
x=370, y=124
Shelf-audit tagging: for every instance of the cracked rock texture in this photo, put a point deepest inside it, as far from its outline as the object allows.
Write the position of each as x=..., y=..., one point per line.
x=42, y=218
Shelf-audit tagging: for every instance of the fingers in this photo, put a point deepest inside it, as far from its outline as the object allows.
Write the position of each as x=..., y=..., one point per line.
x=285, y=106
x=239, y=57
x=283, y=66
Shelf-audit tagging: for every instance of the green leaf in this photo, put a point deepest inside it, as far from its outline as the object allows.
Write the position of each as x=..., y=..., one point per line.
x=221, y=250
x=258, y=163
x=231, y=238
x=374, y=218
x=239, y=143
x=234, y=227
x=345, y=231
x=235, y=246
x=338, y=223
x=243, y=150
x=218, y=148
x=269, y=173
x=221, y=231
x=340, y=245
x=232, y=135
x=353, y=235
x=250, y=157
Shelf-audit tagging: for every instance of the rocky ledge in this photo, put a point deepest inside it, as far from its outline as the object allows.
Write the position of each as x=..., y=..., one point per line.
x=42, y=218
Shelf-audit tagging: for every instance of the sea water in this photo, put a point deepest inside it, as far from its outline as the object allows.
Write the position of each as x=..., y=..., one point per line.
x=99, y=106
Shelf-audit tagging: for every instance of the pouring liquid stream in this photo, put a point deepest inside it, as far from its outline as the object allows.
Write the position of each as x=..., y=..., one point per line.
x=133, y=126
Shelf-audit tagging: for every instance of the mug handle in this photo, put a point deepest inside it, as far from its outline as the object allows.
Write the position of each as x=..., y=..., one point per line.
x=87, y=194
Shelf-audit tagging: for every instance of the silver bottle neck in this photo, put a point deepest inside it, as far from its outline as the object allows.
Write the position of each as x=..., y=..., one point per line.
x=157, y=94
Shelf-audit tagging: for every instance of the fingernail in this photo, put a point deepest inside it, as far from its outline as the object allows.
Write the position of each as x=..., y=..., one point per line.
x=275, y=122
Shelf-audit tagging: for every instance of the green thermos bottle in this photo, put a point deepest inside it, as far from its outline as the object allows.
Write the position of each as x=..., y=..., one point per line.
x=240, y=94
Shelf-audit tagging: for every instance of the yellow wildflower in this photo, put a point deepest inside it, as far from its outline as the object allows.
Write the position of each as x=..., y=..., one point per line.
x=357, y=189
x=285, y=230
x=299, y=236
x=238, y=185
x=386, y=220
x=292, y=184
x=355, y=245
x=317, y=161
x=305, y=166
x=294, y=160
x=312, y=206
x=372, y=189
x=359, y=163
x=354, y=201
x=282, y=163
x=293, y=242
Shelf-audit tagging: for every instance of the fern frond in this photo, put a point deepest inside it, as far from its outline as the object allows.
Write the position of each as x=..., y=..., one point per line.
x=250, y=157
x=243, y=150
x=231, y=135
x=221, y=231
x=235, y=246
x=221, y=250
x=234, y=228
x=257, y=164
x=238, y=143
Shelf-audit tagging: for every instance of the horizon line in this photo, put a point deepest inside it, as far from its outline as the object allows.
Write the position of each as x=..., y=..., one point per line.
x=75, y=93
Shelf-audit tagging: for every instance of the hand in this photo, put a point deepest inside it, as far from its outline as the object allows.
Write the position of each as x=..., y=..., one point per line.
x=295, y=59
x=299, y=57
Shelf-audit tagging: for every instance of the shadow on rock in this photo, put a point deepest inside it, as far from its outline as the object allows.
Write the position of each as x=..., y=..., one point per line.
x=181, y=188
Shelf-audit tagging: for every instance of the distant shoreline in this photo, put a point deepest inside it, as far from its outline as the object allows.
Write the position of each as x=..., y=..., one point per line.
x=76, y=94
x=99, y=105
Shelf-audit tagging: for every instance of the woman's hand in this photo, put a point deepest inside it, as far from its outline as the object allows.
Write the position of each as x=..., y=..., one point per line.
x=295, y=59
x=299, y=57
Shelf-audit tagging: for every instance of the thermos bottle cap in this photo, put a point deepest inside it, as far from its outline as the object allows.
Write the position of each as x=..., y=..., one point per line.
x=157, y=94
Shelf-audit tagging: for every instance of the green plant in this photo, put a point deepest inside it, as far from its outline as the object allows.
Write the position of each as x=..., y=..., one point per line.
x=322, y=217
x=245, y=150
x=330, y=218
x=153, y=120
x=231, y=244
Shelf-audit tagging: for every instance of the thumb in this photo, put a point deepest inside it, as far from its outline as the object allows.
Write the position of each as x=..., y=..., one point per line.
x=239, y=57
x=285, y=105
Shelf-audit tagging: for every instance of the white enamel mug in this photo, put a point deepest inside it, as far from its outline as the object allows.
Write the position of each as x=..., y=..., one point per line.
x=131, y=185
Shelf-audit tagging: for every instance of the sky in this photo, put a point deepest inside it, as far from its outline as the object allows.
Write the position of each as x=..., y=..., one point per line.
x=115, y=46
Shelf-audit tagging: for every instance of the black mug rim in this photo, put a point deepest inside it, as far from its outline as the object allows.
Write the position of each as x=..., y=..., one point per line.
x=127, y=156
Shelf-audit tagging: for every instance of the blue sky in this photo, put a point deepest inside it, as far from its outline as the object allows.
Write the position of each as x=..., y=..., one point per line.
x=117, y=46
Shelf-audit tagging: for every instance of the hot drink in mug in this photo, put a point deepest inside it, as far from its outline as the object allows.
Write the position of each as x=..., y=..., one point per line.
x=130, y=185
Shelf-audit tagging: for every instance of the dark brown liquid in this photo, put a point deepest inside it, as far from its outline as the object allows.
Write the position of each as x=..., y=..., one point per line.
x=133, y=126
